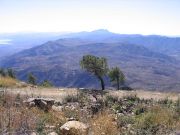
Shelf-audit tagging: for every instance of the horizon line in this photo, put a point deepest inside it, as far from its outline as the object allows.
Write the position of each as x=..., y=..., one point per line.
x=70, y=32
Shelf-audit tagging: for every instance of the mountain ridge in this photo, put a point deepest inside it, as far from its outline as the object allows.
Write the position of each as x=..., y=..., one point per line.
x=59, y=62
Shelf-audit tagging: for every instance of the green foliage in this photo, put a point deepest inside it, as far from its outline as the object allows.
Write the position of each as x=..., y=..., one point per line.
x=166, y=102
x=46, y=83
x=95, y=65
x=117, y=76
x=140, y=109
x=110, y=100
x=156, y=121
x=125, y=120
x=118, y=108
x=11, y=73
x=70, y=98
x=83, y=98
x=177, y=106
x=40, y=126
x=2, y=72
x=31, y=79
x=7, y=72
x=132, y=97
x=72, y=113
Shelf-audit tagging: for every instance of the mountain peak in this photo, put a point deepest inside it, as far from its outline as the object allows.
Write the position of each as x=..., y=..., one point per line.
x=101, y=31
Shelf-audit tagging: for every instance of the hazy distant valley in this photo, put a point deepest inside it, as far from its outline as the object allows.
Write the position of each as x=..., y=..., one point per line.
x=149, y=62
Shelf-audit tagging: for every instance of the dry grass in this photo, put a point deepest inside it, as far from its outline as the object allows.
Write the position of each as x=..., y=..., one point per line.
x=159, y=120
x=142, y=94
x=15, y=118
x=104, y=124
x=18, y=119
x=7, y=82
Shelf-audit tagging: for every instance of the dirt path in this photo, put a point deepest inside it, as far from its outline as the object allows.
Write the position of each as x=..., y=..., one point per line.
x=147, y=94
x=59, y=93
x=55, y=93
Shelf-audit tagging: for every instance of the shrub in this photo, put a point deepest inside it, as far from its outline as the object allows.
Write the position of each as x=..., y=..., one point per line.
x=118, y=108
x=40, y=127
x=140, y=109
x=83, y=98
x=111, y=99
x=46, y=83
x=123, y=121
x=157, y=121
x=70, y=98
x=177, y=106
x=132, y=97
x=69, y=113
x=166, y=102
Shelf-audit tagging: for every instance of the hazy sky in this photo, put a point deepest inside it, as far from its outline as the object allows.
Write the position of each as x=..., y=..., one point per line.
x=120, y=16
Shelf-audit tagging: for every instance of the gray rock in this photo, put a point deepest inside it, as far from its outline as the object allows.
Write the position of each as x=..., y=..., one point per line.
x=33, y=133
x=80, y=127
x=53, y=133
x=42, y=103
x=32, y=104
x=57, y=108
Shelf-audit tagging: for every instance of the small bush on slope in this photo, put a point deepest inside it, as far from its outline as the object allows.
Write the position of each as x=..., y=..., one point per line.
x=158, y=120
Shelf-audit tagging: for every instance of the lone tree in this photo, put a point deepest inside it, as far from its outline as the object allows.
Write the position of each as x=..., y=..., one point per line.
x=31, y=79
x=117, y=76
x=46, y=83
x=11, y=73
x=2, y=72
x=95, y=65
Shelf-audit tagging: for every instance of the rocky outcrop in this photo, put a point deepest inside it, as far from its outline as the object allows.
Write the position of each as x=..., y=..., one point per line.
x=42, y=103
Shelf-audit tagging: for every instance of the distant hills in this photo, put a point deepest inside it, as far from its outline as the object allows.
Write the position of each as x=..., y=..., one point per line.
x=20, y=41
x=149, y=62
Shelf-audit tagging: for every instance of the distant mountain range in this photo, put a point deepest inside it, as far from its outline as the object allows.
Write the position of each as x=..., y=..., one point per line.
x=149, y=62
x=20, y=41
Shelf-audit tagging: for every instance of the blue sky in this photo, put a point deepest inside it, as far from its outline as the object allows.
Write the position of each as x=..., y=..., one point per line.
x=120, y=16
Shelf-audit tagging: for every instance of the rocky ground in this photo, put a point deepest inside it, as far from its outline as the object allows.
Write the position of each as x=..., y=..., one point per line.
x=63, y=111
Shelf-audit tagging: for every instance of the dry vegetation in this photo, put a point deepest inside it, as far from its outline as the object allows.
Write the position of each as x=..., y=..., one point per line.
x=109, y=115
x=7, y=82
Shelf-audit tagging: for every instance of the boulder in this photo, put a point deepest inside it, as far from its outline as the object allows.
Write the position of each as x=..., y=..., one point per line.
x=42, y=103
x=75, y=127
x=57, y=108
x=33, y=133
x=53, y=133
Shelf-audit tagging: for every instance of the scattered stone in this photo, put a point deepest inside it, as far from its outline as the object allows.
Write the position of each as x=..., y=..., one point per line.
x=33, y=133
x=58, y=102
x=72, y=119
x=50, y=127
x=32, y=104
x=80, y=127
x=72, y=105
x=93, y=98
x=57, y=108
x=53, y=133
x=17, y=104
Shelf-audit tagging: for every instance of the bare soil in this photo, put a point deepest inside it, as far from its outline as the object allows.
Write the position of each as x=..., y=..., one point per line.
x=59, y=93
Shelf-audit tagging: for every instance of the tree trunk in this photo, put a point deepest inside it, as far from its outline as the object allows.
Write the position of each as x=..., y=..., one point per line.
x=102, y=82
x=118, y=84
